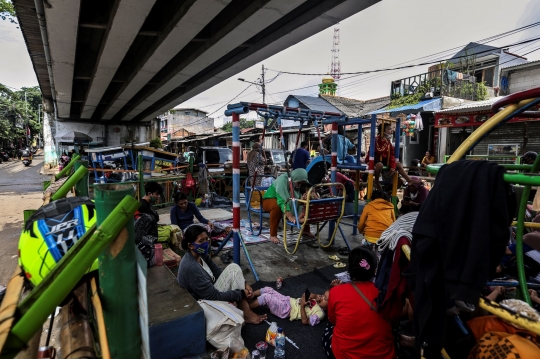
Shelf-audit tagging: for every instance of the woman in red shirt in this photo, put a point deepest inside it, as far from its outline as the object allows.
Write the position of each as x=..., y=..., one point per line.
x=355, y=329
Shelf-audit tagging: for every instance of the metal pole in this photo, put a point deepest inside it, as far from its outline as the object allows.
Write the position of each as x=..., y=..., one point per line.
x=236, y=186
x=371, y=164
x=118, y=277
x=333, y=169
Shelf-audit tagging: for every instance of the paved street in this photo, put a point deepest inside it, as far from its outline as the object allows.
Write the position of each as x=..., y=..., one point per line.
x=20, y=189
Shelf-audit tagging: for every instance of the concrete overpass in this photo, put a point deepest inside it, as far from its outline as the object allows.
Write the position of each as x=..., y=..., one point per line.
x=127, y=61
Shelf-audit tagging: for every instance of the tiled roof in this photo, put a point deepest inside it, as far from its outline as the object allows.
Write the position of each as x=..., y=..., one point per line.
x=357, y=108
x=348, y=106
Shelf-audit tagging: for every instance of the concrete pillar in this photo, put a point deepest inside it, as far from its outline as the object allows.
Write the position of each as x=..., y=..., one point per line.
x=48, y=140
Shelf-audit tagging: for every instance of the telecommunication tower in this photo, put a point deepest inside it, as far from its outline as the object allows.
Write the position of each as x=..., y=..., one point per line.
x=335, y=67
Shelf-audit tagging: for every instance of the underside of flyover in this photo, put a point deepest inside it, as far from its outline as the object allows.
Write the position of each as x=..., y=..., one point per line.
x=127, y=61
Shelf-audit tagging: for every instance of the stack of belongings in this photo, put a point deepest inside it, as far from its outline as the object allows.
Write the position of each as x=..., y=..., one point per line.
x=459, y=238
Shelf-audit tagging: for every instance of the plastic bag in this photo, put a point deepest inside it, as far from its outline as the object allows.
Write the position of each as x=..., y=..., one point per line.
x=237, y=350
x=271, y=334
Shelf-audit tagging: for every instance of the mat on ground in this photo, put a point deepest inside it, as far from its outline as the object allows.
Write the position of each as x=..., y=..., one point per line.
x=307, y=338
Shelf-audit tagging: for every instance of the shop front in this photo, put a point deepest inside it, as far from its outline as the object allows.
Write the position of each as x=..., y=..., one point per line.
x=504, y=144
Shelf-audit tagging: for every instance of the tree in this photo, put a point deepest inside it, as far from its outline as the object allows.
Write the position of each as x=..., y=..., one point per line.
x=7, y=11
x=19, y=114
x=156, y=143
x=244, y=123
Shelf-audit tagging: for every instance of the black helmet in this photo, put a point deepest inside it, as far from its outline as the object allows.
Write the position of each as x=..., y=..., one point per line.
x=530, y=154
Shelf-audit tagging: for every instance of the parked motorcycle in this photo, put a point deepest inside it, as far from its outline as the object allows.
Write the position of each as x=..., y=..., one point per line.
x=4, y=155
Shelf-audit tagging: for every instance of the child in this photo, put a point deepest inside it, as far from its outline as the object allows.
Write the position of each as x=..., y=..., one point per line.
x=376, y=216
x=283, y=306
x=384, y=155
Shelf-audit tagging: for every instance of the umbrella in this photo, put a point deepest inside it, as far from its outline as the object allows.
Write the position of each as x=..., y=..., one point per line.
x=74, y=137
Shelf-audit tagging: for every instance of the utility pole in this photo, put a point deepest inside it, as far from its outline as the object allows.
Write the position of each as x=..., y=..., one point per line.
x=263, y=85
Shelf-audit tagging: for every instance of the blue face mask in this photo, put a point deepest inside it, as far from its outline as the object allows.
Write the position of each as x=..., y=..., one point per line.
x=201, y=249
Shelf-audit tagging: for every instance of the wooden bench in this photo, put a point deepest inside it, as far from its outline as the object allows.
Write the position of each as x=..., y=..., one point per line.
x=175, y=319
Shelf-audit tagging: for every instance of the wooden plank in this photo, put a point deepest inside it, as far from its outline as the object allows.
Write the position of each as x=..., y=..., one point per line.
x=9, y=305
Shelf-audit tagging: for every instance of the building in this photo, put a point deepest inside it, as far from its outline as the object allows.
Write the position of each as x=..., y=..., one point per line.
x=520, y=77
x=187, y=119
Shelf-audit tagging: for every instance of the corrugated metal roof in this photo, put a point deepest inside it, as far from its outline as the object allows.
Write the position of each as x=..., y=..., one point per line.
x=472, y=106
x=527, y=64
x=314, y=103
x=426, y=105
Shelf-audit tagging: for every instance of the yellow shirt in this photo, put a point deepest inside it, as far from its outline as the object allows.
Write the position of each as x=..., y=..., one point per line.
x=314, y=314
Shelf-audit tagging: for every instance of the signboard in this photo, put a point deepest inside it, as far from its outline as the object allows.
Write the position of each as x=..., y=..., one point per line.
x=442, y=120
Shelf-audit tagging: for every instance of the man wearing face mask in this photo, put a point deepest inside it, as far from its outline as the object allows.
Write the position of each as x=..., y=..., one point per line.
x=153, y=192
x=384, y=155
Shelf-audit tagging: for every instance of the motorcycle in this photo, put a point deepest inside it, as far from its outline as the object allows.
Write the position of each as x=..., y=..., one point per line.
x=27, y=160
x=4, y=156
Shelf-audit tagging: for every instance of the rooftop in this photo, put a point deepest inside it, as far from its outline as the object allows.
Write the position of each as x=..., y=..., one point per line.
x=472, y=106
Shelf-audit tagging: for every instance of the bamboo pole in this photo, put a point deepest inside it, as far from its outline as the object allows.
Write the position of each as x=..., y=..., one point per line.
x=81, y=188
x=35, y=309
x=98, y=309
x=67, y=168
x=71, y=181
x=118, y=279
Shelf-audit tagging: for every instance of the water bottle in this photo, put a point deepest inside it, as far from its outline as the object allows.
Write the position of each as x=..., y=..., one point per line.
x=279, y=352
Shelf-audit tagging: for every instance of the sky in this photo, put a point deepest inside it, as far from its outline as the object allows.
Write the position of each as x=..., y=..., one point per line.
x=389, y=33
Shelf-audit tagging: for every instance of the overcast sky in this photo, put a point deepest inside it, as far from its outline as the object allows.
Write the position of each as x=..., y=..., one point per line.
x=389, y=33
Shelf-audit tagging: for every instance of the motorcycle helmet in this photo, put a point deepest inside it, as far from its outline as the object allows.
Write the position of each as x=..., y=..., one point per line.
x=50, y=232
x=529, y=157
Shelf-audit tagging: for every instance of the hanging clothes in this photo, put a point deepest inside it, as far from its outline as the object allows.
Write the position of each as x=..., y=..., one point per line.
x=418, y=124
x=459, y=238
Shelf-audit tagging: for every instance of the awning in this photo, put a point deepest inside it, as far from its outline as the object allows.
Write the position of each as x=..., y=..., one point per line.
x=422, y=106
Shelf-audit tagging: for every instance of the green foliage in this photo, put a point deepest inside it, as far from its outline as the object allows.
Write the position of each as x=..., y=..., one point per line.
x=7, y=11
x=243, y=124
x=156, y=143
x=16, y=113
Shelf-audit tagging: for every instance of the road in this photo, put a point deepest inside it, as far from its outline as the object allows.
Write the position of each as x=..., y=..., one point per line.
x=20, y=189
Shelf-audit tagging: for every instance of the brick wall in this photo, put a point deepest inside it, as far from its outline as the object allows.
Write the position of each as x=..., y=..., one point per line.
x=524, y=80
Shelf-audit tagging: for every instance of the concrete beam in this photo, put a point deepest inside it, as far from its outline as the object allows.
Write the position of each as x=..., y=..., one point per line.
x=189, y=25
x=290, y=34
x=219, y=45
x=122, y=30
x=62, y=26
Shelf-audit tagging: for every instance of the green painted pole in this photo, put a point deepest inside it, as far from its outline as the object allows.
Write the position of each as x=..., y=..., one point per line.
x=81, y=188
x=68, y=167
x=118, y=279
x=43, y=300
x=141, y=177
x=81, y=173
x=519, y=235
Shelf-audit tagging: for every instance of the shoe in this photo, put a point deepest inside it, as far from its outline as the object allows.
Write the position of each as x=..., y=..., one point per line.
x=343, y=251
x=226, y=257
x=340, y=265
x=334, y=258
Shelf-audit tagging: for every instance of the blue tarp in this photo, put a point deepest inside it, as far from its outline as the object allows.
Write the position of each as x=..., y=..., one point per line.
x=422, y=106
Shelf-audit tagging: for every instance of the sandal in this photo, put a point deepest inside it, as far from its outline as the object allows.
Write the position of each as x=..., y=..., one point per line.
x=344, y=251
x=334, y=258
x=340, y=265
x=226, y=257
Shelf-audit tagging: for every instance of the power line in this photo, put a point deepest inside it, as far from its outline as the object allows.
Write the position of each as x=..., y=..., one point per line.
x=407, y=66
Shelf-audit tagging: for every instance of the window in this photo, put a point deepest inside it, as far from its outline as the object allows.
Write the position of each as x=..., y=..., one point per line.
x=188, y=113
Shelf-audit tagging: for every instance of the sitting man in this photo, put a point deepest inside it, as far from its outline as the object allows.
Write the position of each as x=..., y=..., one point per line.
x=183, y=211
x=384, y=155
x=413, y=196
x=153, y=192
